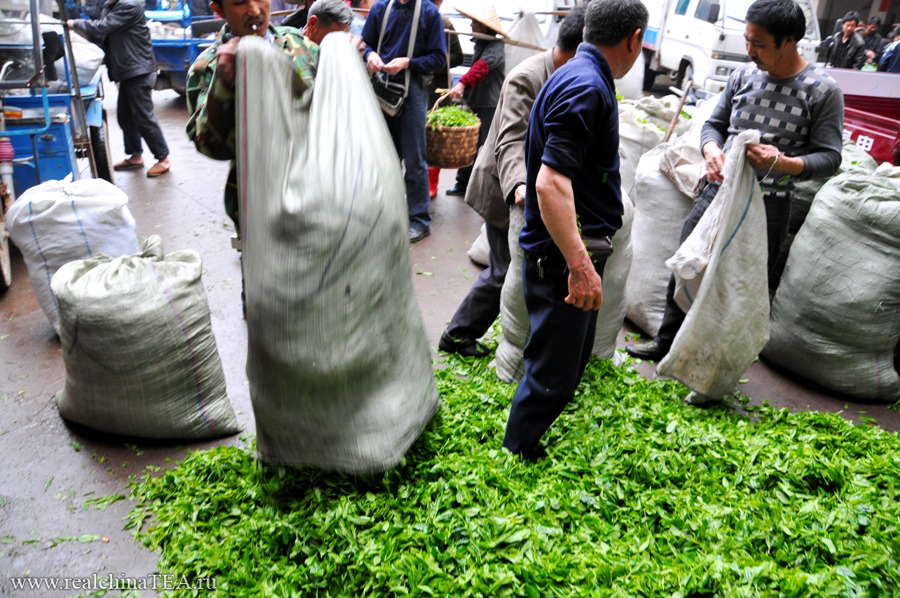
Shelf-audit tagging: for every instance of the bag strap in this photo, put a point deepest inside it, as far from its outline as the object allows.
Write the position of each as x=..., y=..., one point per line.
x=417, y=11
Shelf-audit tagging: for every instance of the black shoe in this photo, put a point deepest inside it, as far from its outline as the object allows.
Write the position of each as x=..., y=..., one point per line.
x=416, y=234
x=456, y=190
x=466, y=347
x=651, y=350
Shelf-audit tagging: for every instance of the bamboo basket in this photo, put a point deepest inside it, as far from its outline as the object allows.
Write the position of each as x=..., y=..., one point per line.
x=450, y=147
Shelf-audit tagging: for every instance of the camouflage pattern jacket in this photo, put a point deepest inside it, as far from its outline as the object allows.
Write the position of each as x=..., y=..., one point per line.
x=212, y=106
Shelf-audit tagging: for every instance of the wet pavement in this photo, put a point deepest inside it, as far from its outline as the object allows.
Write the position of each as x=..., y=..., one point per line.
x=51, y=469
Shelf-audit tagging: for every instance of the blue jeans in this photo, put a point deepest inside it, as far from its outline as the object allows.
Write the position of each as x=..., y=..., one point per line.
x=408, y=133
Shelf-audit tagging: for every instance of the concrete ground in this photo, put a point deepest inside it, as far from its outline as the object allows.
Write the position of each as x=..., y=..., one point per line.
x=50, y=469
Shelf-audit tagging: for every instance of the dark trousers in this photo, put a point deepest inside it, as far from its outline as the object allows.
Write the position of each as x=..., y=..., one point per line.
x=556, y=354
x=136, y=118
x=481, y=305
x=778, y=217
x=487, y=116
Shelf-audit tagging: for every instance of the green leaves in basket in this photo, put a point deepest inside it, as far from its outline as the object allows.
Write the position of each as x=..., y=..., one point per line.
x=451, y=116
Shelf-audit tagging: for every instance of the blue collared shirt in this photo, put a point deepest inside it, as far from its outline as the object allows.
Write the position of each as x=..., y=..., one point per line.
x=574, y=129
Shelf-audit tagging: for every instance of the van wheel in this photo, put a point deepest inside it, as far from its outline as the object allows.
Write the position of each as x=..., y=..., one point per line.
x=685, y=74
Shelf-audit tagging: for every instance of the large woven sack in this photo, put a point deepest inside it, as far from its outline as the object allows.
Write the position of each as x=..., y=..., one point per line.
x=61, y=221
x=140, y=355
x=525, y=28
x=515, y=327
x=853, y=159
x=338, y=362
x=615, y=276
x=642, y=125
x=721, y=283
x=660, y=210
x=480, y=251
x=836, y=314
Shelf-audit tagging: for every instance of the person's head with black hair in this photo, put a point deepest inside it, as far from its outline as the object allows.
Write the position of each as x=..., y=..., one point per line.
x=849, y=23
x=773, y=29
x=571, y=31
x=874, y=25
x=616, y=28
x=326, y=16
x=784, y=19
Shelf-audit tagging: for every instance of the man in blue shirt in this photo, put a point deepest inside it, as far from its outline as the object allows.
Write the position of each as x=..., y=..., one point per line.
x=408, y=126
x=572, y=206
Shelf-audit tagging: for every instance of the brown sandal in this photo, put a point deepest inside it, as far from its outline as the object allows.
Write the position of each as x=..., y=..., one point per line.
x=127, y=165
x=157, y=170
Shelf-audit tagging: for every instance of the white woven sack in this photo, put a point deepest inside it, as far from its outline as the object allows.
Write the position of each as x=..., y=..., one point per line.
x=338, y=361
x=631, y=85
x=510, y=360
x=660, y=210
x=514, y=324
x=60, y=221
x=525, y=28
x=480, y=250
x=636, y=138
x=615, y=277
x=140, y=355
x=836, y=314
x=721, y=282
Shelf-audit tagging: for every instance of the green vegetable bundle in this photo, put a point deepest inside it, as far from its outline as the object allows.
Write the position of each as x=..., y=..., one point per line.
x=451, y=116
x=641, y=495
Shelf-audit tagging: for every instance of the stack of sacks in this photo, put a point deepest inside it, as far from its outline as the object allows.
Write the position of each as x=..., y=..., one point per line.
x=660, y=210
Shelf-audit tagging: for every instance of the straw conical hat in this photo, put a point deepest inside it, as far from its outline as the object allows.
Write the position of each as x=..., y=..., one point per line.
x=487, y=16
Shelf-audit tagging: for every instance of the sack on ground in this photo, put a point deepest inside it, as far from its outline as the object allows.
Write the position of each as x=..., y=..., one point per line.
x=514, y=326
x=615, y=276
x=660, y=210
x=140, y=355
x=338, y=362
x=836, y=314
x=721, y=282
x=480, y=250
x=61, y=221
x=853, y=159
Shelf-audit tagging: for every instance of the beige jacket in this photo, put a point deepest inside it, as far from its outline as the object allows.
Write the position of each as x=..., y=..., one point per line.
x=500, y=166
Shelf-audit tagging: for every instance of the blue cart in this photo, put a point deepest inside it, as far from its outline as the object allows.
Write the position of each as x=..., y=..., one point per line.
x=47, y=123
x=190, y=35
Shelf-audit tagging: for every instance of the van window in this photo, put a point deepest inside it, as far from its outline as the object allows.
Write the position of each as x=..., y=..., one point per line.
x=702, y=11
x=681, y=7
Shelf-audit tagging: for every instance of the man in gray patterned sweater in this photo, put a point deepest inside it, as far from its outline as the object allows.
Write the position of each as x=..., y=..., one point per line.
x=799, y=111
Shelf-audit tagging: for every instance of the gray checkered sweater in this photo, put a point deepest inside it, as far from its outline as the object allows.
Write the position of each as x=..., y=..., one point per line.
x=802, y=115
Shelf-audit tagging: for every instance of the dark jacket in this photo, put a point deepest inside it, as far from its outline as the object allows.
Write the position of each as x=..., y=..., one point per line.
x=122, y=32
x=850, y=55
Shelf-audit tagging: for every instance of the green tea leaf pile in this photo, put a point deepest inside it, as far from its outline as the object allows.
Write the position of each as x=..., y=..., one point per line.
x=451, y=116
x=640, y=495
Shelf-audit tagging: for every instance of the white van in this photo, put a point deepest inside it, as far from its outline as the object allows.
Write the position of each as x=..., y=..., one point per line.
x=703, y=40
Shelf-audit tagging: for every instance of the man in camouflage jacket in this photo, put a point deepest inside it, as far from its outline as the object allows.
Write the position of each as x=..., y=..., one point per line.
x=210, y=82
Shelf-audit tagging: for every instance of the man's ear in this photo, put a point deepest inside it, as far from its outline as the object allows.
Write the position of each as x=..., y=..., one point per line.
x=217, y=9
x=635, y=39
